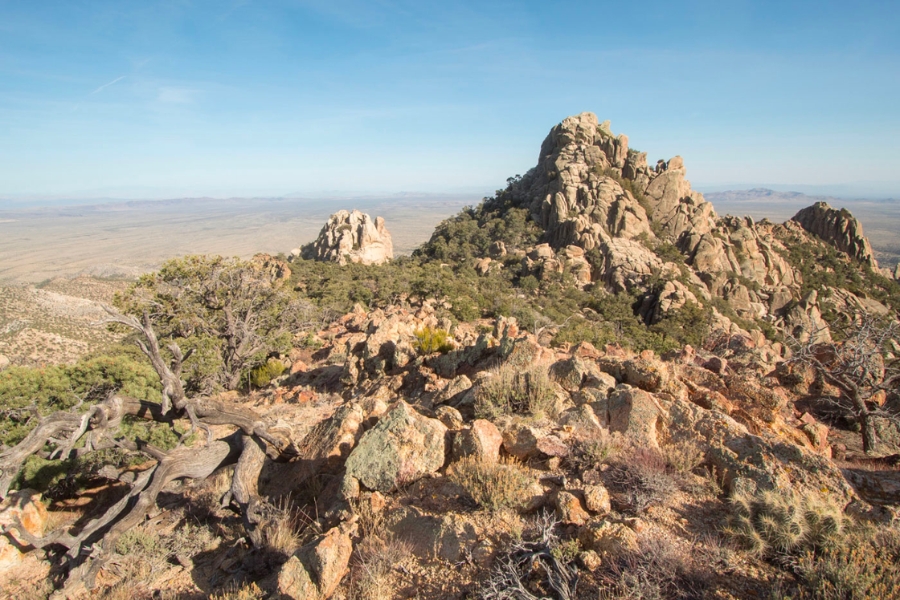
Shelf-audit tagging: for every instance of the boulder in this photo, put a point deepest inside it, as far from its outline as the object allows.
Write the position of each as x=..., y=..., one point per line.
x=634, y=413
x=569, y=509
x=596, y=498
x=607, y=538
x=521, y=441
x=482, y=440
x=569, y=373
x=581, y=422
x=316, y=569
x=4, y=362
x=403, y=447
x=352, y=237
x=450, y=417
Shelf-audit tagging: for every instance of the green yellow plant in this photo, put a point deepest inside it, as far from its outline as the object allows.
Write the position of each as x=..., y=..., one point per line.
x=263, y=375
x=431, y=339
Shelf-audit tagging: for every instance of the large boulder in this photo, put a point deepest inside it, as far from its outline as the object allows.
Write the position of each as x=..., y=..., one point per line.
x=634, y=413
x=400, y=449
x=352, y=237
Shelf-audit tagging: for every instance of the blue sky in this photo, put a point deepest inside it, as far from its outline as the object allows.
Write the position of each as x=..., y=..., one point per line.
x=153, y=99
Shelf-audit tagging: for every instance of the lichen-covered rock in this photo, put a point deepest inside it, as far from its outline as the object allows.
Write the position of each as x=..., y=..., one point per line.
x=634, y=413
x=607, y=538
x=400, y=449
x=569, y=509
x=596, y=498
x=352, y=237
x=520, y=441
x=450, y=417
x=581, y=422
x=569, y=373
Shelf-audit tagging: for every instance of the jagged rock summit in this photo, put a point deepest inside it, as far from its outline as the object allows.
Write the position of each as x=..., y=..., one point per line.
x=611, y=219
x=839, y=228
x=352, y=237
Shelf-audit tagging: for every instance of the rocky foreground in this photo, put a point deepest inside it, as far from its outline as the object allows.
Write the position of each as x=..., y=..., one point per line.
x=432, y=456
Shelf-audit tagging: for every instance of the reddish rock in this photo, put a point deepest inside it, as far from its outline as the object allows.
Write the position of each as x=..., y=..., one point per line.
x=552, y=446
x=482, y=440
x=569, y=509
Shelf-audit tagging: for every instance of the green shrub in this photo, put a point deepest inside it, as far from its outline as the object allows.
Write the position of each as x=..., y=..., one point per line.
x=263, y=375
x=430, y=340
x=514, y=391
x=58, y=387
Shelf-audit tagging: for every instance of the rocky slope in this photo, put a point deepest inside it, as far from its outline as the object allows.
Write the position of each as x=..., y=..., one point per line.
x=445, y=458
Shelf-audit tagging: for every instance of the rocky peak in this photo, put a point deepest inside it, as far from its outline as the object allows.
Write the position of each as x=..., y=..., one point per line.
x=839, y=228
x=352, y=237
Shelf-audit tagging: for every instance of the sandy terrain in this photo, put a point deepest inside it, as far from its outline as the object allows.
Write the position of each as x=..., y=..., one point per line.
x=123, y=240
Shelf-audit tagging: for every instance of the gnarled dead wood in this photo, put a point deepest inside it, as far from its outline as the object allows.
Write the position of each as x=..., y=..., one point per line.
x=89, y=549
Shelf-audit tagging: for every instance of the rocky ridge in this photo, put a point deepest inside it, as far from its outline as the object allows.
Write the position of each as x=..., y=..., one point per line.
x=591, y=192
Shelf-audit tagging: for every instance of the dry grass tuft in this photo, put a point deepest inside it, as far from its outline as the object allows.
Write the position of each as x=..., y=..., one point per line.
x=642, y=477
x=248, y=591
x=374, y=560
x=493, y=486
x=511, y=391
x=659, y=568
x=283, y=530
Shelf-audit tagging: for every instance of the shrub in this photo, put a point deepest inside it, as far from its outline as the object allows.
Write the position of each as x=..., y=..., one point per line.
x=601, y=449
x=374, y=561
x=493, y=486
x=683, y=457
x=263, y=375
x=864, y=567
x=643, y=478
x=430, y=340
x=513, y=391
x=59, y=387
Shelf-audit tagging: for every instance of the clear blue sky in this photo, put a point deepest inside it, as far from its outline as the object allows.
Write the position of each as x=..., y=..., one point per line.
x=225, y=98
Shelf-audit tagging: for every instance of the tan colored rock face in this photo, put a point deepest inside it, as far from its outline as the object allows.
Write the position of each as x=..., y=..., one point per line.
x=838, y=228
x=352, y=237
